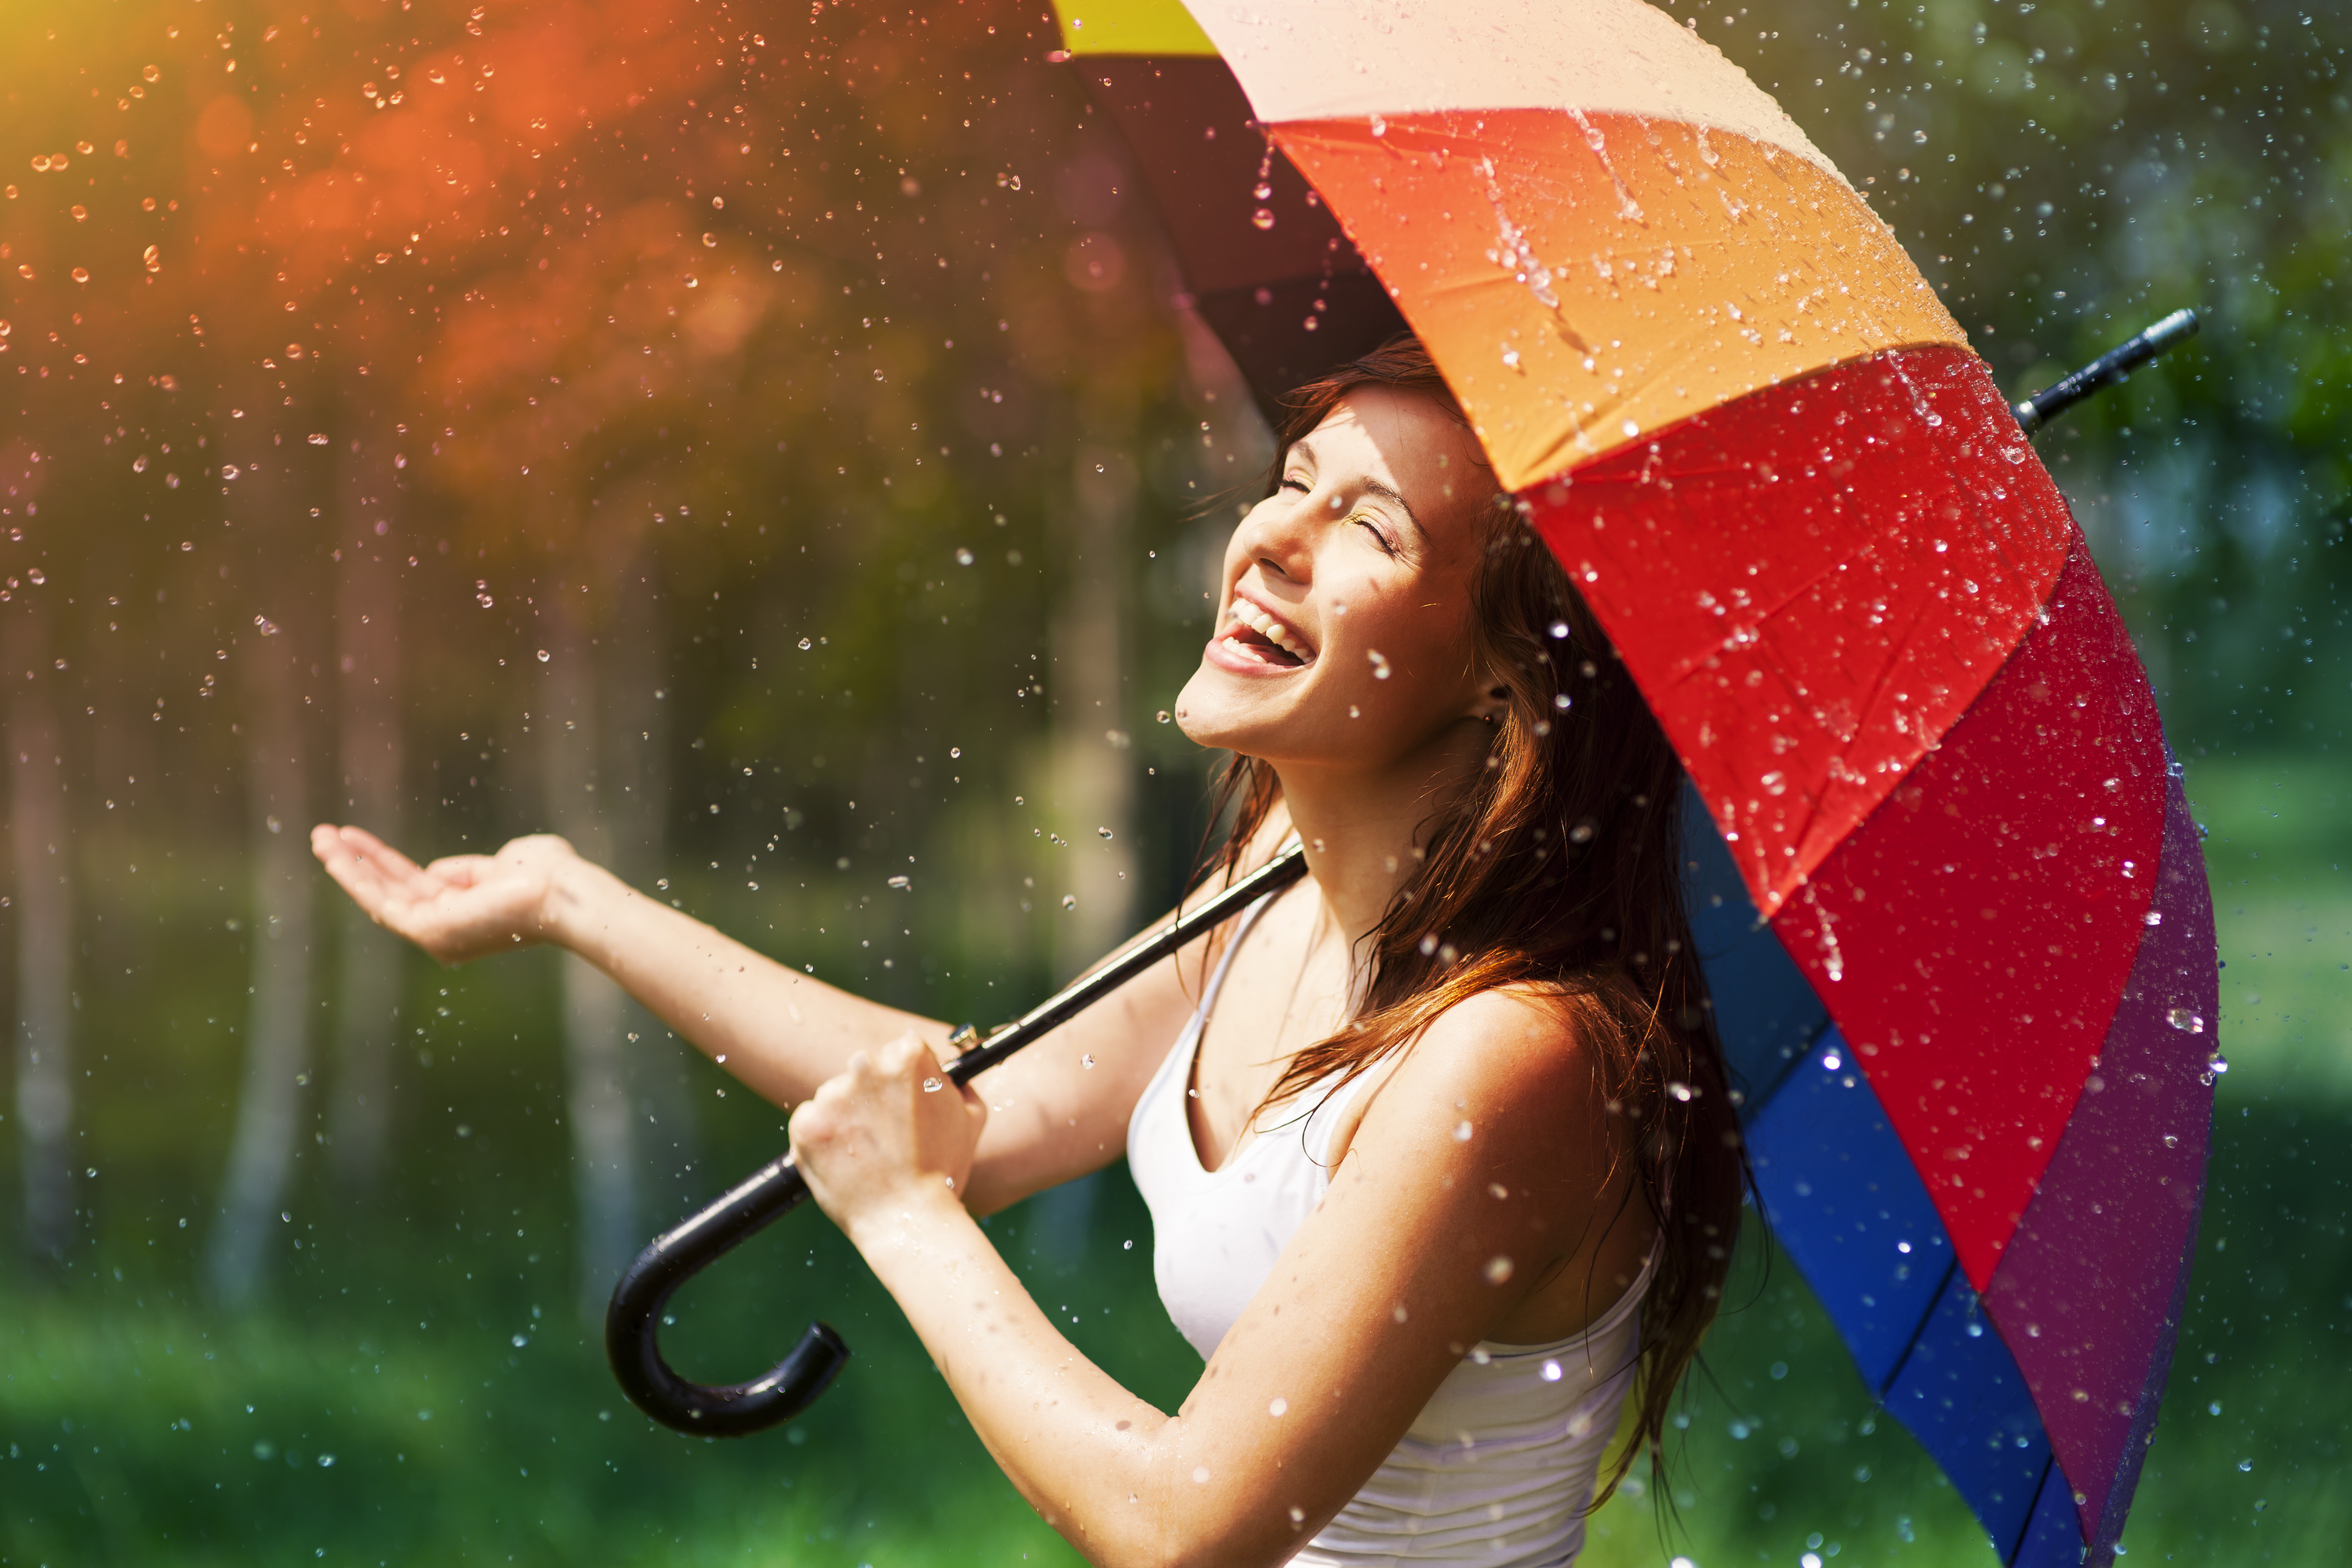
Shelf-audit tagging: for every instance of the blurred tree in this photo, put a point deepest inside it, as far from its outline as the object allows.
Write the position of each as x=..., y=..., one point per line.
x=369, y=754
x=41, y=842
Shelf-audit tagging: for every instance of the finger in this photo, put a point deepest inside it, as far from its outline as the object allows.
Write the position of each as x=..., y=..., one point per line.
x=375, y=852
x=907, y=1055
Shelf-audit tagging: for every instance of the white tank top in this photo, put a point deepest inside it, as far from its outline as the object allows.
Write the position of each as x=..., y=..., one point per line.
x=1499, y=1466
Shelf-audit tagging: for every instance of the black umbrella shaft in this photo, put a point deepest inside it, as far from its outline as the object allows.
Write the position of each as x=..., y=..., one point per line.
x=2106, y=371
x=632, y=1320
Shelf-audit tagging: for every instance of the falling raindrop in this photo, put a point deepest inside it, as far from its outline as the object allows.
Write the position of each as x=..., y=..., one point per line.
x=543, y=656
x=1105, y=832
x=954, y=751
x=806, y=645
x=1558, y=631
x=1162, y=715
x=900, y=882
x=1262, y=191
x=1497, y=1270
x=1379, y=664
x=963, y=556
x=1551, y=1372
x=1263, y=217
x=1070, y=900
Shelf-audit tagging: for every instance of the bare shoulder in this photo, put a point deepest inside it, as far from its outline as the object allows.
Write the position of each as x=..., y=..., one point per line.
x=1510, y=1060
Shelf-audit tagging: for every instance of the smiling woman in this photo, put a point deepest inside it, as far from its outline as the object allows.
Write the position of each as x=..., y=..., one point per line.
x=1436, y=1143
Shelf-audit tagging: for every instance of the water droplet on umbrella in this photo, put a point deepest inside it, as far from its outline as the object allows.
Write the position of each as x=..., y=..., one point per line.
x=1263, y=217
x=2187, y=1020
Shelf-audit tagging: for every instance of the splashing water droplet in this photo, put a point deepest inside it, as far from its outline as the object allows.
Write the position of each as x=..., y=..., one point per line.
x=1277, y=1405
x=543, y=655
x=901, y=883
x=1105, y=832
x=1263, y=217
x=1162, y=715
x=1087, y=1062
x=1379, y=664
x=1499, y=1269
x=1462, y=1132
x=806, y=645
x=933, y=1085
x=954, y=751
x=1262, y=191
x=1070, y=900
x=963, y=557
x=1551, y=1372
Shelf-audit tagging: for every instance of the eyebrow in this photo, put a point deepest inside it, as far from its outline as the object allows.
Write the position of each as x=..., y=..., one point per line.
x=1373, y=487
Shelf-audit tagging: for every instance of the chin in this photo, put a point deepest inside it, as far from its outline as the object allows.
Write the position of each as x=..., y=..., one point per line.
x=1221, y=712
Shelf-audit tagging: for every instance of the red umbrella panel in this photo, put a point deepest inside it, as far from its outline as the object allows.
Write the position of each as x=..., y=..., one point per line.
x=1953, y=912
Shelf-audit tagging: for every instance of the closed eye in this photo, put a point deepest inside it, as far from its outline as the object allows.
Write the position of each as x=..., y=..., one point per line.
x=1379, y=537
x=1293, y=482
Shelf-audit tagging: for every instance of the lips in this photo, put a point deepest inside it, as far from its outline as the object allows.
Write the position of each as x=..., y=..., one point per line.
x=1255, y=634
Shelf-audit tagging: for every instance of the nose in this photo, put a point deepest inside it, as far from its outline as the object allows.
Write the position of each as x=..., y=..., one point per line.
x=1278, y=534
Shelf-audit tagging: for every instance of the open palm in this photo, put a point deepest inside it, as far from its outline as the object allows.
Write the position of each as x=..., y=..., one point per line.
x=457, y=909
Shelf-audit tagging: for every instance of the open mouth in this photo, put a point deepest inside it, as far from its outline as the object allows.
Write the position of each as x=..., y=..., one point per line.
x=1256, y=635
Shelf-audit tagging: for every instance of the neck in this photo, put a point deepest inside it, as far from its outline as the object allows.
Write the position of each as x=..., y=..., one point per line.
x=1361, y=827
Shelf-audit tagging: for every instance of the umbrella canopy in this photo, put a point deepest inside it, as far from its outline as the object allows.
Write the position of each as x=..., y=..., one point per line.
x=1953, y=911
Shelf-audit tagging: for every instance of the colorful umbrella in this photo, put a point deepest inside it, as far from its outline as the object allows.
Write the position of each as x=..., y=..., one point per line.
x=1954, y=916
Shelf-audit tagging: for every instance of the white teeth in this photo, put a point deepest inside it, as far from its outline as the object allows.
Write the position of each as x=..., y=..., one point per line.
x=1267, y=626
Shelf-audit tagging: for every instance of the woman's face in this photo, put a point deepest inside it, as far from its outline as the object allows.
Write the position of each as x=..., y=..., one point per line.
x=1343, y=619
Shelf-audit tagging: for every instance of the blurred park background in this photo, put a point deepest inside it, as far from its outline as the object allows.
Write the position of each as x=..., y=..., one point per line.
x=769, y=446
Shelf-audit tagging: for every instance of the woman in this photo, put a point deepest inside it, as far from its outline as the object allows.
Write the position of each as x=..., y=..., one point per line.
x=1440, y=1161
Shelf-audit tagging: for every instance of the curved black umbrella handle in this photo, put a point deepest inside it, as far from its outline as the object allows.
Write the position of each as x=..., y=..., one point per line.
x=632, y=1321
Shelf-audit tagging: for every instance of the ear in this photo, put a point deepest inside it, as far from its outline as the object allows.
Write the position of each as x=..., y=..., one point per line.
x=1490, y=705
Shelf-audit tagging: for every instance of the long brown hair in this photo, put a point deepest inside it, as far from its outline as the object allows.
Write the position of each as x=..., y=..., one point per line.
x=1558, y=869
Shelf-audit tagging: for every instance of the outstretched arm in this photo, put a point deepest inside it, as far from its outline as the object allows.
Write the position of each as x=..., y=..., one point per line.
x=782, y=1032
x=1061, y=1107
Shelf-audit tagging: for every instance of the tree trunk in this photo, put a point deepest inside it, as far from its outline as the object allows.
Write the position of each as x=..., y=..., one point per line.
x=276, y=1034
x=367, y=612
x=1093, y=786
x=595, y=1060
x=634, y=790
x=44, y=945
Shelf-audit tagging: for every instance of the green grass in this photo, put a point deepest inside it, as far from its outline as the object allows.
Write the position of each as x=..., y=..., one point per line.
x=139, y=1426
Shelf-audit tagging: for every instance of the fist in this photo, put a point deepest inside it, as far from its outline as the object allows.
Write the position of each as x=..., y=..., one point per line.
x=890, y=1131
